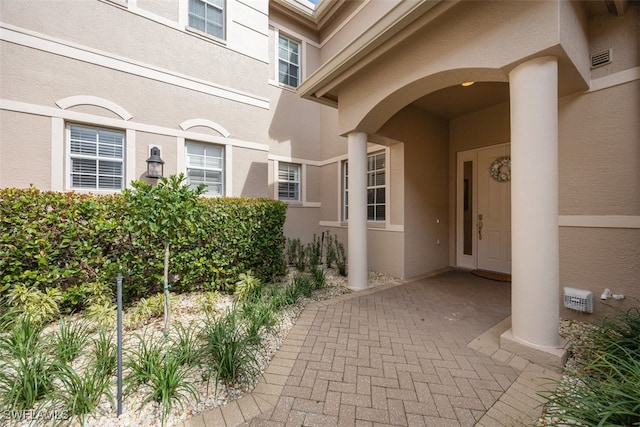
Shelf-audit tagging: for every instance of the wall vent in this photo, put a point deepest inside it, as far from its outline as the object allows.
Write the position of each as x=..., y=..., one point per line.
x=578, y=299
x=600, y=58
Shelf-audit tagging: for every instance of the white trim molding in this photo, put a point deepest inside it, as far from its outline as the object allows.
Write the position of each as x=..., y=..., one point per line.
x=615, y=79
x=41, y=110
x=286, y=159
x=188, y=124
x=599, y=221
x=96, y=101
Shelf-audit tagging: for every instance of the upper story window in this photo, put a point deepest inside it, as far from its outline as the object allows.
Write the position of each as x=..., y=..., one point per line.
x=96, y=158
x=205, y=165
x=288, y=181
x=288, y=61
x=376, y=189
x=207, y=16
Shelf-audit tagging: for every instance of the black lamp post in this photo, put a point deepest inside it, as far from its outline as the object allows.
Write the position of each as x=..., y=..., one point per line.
x=154, y=164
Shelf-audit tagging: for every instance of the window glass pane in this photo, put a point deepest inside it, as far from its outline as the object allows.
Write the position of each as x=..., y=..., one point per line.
x=370, y=213
x=205, y=166
x=83, y=147
x=83, y=181
x=110, y=182
x=195, y=149
x=288, y=181
x=110, y=168
x=197, y=22
x=83, y=166
x=197, y=7
x=376, y=192
x=88, y=147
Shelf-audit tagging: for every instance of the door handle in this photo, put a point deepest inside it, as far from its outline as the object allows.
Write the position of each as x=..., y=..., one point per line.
x=480, y=227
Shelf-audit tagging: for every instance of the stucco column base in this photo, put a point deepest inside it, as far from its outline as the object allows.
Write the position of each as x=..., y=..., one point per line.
x=549, y=357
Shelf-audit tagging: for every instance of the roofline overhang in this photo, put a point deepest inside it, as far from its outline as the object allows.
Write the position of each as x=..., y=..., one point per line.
x=369, y=46
x=311, y=18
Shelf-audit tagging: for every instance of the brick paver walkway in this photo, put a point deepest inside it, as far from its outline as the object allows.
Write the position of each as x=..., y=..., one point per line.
x=403, y=354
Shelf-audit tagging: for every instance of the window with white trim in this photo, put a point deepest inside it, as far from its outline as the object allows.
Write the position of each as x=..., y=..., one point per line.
x=207, y=16
x=205, y=165
x=96, y=158
x=288, y=61
x=376, y=188
x=288, y=181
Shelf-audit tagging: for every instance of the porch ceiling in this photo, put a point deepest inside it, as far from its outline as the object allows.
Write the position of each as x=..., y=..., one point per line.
x=457, y=100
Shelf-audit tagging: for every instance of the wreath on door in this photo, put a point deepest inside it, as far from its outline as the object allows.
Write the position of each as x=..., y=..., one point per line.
x=500, y=169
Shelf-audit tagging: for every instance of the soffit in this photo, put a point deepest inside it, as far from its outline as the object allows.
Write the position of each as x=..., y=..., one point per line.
x=455, y=101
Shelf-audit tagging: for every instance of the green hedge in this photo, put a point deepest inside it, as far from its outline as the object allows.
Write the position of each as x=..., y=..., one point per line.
x=69, y=241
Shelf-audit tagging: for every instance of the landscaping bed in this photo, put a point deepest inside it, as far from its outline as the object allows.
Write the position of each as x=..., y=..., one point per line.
x=195, y=321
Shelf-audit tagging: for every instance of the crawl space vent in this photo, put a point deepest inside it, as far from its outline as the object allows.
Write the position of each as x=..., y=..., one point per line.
x=578, y=299
x=600, y=58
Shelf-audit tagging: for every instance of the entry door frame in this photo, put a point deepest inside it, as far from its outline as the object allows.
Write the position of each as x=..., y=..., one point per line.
x=465, y=260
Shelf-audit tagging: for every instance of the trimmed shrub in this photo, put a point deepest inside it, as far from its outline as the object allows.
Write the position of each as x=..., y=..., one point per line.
x=77, y=243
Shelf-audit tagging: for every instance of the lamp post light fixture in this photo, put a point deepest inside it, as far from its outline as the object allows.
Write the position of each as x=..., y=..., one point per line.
x=154, y=164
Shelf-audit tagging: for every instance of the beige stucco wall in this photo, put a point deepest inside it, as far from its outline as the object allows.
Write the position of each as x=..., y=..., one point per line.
x=530, y=27
x=425, y=145
x=302, y=223
x=331, y=193
x=599, y=152
x=27, y=160
x=28, y=78
x=250, y=169
x=598, y=258
x=293, y=128
x=621, y=34
x=107, y=27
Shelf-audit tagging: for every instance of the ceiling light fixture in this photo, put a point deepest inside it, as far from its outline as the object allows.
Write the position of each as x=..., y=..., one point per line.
x=467, y=84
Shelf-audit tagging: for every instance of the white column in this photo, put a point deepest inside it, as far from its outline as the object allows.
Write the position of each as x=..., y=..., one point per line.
x=357, y=252
x=534, y=202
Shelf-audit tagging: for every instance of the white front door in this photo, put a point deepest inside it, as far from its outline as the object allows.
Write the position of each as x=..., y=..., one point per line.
x=483, y=212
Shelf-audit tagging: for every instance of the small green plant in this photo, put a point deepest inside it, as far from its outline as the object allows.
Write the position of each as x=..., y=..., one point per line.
x=40, y=307
x=25, y=365
x=104, y=352
x=146, y=309
x=341, y=259
x=170, y=385
x=102, y=315
x=331, y=256
x=302, y=284
x=605, y=390
x=98, y=293
x=142, y=360
x=186, y=345
x=247, y=287
x=165, y=372
x=259, y=316
x=319, y=278
x=71, y=338
x=207, y=302
x=230, y=350
x=314, y=252
x=79, y=394
x=296, y=254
